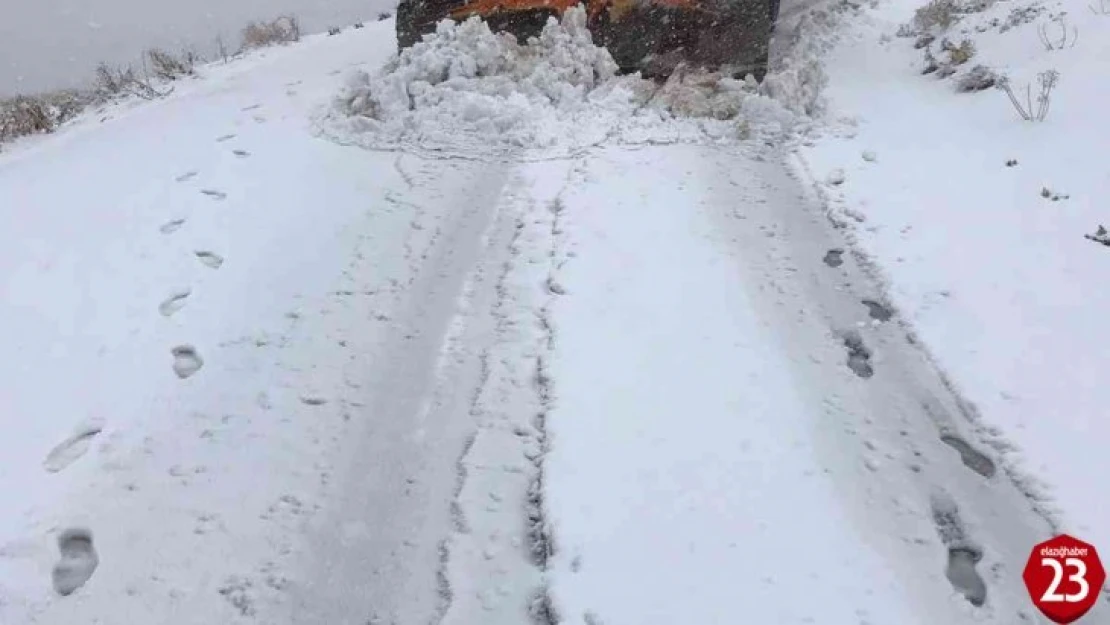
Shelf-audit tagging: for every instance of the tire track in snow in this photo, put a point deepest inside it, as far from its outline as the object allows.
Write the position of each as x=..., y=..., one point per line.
x=542, y=609
x=495, y=559
x=417, y=393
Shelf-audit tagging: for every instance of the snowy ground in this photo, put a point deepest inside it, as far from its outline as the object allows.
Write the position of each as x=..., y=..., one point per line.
x=296, y=357
x=726, y=443
x=106, y=225
x=976, y=220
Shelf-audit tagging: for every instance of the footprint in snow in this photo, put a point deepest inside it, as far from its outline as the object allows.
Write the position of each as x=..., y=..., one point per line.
x=186, y=176
x=223, y=138
x=859, y=357
x=963, y=554
x=214, y=194
x=241, y=153
x=877, y=310
x=78, y=561
x=171, y=226
x=186, y=361
x=555, y=287
x=174, y=303
x=972, y=458
x=210, y=259
x=262, y=400
x=834, y=257
x=964, y=578
x=71, y=449
x=251, y=107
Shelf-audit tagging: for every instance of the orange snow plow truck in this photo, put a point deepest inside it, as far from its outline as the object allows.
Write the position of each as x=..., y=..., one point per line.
x=650, y=36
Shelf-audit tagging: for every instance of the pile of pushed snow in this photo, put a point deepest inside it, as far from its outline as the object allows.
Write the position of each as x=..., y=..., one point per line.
x=468, y=89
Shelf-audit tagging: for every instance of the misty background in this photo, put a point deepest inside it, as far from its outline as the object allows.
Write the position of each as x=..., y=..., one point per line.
x=49, y=44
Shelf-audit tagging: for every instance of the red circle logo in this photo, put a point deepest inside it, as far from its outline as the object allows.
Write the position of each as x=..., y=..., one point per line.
x=1064, y=577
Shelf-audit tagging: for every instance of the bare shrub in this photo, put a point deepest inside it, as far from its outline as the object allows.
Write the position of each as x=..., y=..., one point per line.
x=384, y=15
x=1058, y=40
x=168, y=66
x=1032, y=110
x=68, y=103
x=937, y=14
x=979, y=78
x=975, y=6
x=115, y=82
x=332, y=31
x=27, y=115
x=23, y=115
x=285, y=29
x=1019, y=16
x=112, y=82
x=221, y=48
x=931, y=62
x=958, y=55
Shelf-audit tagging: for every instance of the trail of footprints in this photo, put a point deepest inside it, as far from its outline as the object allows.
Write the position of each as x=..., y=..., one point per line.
x=186, y=359
x=78, y=558
x=963, y=554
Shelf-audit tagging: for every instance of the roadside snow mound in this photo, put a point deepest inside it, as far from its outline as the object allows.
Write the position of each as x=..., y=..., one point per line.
x=469, y=90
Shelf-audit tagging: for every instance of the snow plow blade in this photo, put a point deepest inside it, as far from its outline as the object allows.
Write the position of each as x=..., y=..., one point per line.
x=650, y=36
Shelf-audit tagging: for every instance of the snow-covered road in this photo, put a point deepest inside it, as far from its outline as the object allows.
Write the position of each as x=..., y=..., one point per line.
x=287, y=381
x=737, y=420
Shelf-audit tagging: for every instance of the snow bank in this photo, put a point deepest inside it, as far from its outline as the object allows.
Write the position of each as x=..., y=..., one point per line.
x=467, y=89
